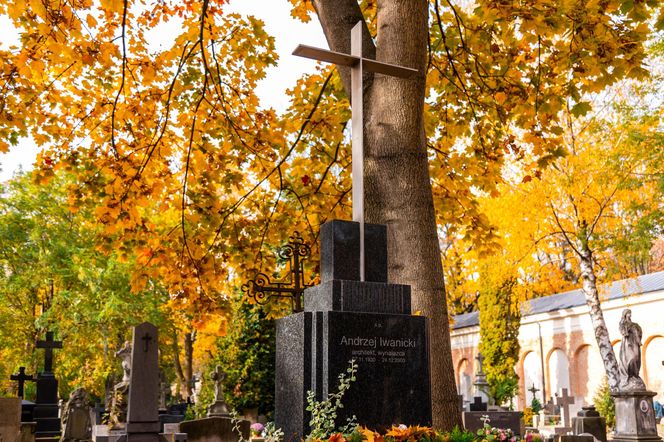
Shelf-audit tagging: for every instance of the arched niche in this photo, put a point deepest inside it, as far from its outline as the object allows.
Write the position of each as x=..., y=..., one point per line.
x=653, y=370
x=532, y=375
x=558, y=369
x=588, y=372
x=465, y=380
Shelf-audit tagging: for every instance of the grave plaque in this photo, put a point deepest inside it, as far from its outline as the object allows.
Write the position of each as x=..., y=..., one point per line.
x=369, y=322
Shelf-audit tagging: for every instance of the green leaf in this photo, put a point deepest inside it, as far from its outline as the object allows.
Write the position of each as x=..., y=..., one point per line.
x=581, y=108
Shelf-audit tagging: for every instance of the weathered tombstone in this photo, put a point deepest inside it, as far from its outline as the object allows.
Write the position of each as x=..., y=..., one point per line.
x=218, y=426
x=10, y=418
x=77, y=418
x=171, y=433
x=28, y=431
x=218, y=407
x=120, y=395
x=142, y=413
x=481, y=384
x=635, y=414
x=46, y=410
x=564, y=401
x=345, y=318
x=589, y=421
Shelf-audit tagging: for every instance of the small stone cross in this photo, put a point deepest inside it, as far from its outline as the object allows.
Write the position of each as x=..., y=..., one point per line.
x=564, y=401
x=480, y=361
x=48, y=345
x=146, y=341
x=21, y=377
x=357, y=65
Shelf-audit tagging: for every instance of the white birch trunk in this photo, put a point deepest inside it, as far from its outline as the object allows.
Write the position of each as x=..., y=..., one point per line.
x=592, y=300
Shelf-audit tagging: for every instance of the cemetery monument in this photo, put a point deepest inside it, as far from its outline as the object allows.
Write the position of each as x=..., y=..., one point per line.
x=46, y=410
x=635, y=414
x=354, y=313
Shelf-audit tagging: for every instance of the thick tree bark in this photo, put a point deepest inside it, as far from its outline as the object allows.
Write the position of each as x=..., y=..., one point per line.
x=178, y=367
x=596, y=315
x=397, y=184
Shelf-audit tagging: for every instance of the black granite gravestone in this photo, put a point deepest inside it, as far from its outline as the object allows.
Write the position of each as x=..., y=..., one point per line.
x=46, y=409
x=478, y=404
x=346, y=319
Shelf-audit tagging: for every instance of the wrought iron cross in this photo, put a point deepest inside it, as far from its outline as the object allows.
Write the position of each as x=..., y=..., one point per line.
x=21, y=377
x=358, y=65
x=533, y=390
x=261, y=289
x=48, y=345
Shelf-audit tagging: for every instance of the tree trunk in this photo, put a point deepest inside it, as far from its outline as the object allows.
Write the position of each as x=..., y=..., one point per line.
x=178, y=366
x=397, y=184
x=596, y=315
x=188, y=363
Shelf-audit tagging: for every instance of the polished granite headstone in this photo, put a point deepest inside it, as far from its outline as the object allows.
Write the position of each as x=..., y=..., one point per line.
x=346, y=319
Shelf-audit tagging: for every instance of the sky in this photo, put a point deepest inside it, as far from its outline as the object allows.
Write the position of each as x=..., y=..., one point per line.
x=288, y=33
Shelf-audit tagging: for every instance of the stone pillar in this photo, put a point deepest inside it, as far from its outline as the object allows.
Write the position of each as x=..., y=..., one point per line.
x=635, y=417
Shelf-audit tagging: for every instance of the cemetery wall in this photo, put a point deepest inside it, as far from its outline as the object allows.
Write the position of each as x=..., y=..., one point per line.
x=570, y=356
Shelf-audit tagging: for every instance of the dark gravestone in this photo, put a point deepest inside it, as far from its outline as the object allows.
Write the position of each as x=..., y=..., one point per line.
x=46, y=410
x=589, y=421
x=473, y=420
x=346, y=319
x=478, y=404
x=143, y=409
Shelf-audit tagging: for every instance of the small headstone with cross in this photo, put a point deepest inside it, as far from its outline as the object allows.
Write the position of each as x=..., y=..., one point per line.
x=564, y=401
x=21, y=378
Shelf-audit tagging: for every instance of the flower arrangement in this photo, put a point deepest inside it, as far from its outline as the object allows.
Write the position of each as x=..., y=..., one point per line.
x=493, y=434
x=256, y=429
x=533, y=437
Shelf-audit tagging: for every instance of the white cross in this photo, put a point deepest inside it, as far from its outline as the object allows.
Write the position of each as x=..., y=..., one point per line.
x=357, y=65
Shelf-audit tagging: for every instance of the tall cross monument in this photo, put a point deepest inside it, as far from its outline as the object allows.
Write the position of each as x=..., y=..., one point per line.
x=358, y=64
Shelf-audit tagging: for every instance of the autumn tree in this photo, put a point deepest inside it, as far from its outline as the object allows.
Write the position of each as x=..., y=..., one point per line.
x=500, y=318
x=53, y=278
x=194, y=178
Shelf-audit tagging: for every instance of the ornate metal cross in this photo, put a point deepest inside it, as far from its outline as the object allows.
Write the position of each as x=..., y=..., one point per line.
x=533, y=390
x=358, y=65
x=21, y=377
x=48, y=345
x=261, y=289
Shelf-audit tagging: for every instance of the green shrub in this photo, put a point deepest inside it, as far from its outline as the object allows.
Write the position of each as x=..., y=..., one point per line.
x=605, y=405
